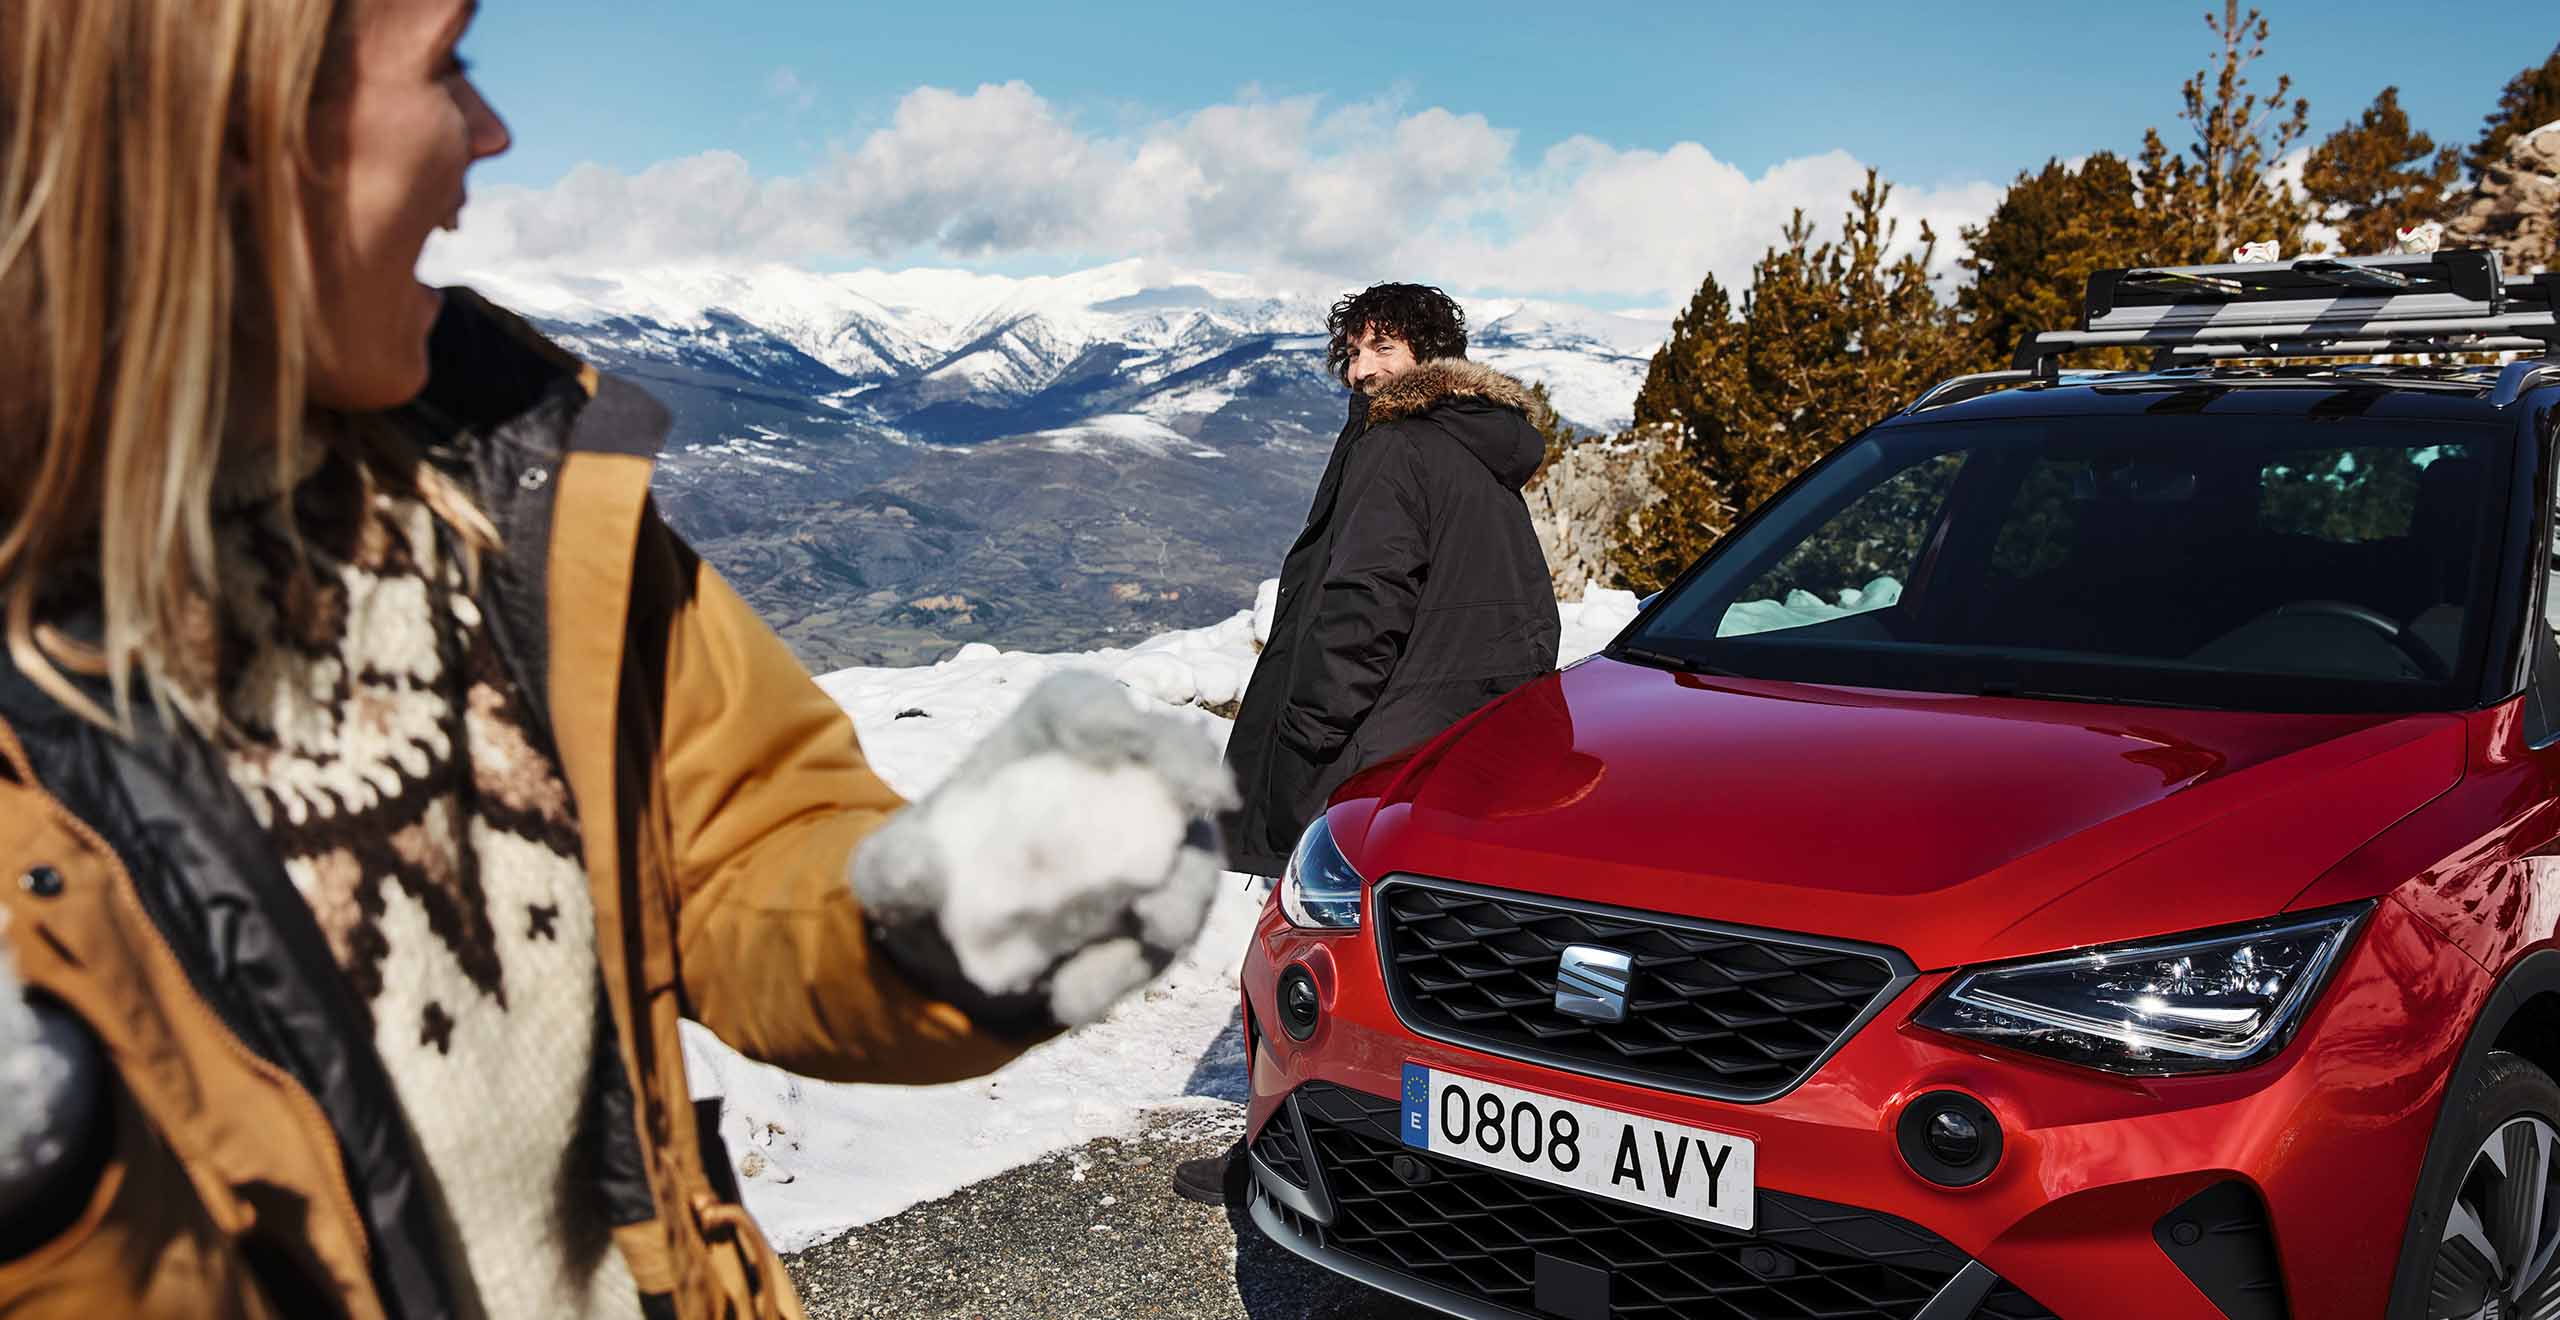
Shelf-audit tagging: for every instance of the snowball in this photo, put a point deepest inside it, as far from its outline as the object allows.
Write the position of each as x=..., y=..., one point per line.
x=1093, y=980
x=1000, y=848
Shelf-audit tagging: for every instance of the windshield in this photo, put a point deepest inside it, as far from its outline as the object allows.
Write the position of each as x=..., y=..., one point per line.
x=2237, y=562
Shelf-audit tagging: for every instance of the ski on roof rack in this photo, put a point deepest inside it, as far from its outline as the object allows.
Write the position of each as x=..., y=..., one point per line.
x=2437, y=302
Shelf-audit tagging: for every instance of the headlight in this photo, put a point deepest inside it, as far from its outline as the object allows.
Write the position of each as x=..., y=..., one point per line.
x=1320, y=889
x=2206, y=1002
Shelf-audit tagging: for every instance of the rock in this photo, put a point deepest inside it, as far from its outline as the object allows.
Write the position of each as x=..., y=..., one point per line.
x=1581, y=505
x=2516, y=208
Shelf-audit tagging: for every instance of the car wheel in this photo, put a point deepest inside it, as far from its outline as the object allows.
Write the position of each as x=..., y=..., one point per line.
x=2490, y=1182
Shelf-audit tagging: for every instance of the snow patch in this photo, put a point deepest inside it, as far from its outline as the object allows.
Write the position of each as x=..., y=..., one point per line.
x=1266, y=607
x=1113, y=430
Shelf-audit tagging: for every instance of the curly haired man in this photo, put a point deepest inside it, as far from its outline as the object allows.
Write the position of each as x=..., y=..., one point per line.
x=1416, y=592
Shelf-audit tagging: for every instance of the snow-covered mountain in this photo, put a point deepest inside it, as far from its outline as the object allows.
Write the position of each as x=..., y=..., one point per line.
x=959, y=357
x=891, y=464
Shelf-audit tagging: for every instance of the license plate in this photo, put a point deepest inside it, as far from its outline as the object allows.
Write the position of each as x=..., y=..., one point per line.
x=1627, y=1157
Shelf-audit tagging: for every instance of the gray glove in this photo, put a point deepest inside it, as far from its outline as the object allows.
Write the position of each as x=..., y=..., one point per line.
x=52, y=1105
x=1065, y=862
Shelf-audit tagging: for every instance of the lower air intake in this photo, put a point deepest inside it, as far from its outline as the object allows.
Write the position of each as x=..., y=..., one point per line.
x=1481, y=1234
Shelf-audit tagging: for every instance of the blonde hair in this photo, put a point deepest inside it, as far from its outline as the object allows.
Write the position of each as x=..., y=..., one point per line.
x=156, y=298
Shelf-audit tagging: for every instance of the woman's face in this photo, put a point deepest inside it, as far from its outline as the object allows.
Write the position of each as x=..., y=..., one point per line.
x=394, y=132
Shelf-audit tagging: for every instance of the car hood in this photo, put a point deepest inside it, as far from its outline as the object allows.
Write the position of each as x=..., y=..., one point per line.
x=1955, y=828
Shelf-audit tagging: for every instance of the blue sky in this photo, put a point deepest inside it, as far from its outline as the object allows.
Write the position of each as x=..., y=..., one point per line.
x=1948, y=100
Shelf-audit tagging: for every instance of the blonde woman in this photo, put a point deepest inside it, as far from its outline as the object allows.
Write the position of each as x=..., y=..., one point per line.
x=381, y=781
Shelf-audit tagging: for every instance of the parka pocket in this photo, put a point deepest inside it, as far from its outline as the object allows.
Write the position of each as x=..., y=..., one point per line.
x=142, y=1246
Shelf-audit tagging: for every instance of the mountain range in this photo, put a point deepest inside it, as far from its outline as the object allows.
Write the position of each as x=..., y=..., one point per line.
x=889, y=464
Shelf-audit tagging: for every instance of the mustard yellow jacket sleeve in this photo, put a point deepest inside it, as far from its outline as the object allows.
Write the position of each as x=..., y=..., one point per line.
x=767, y=794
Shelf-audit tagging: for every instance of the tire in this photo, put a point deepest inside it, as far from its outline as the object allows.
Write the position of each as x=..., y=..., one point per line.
x=2488, y=1199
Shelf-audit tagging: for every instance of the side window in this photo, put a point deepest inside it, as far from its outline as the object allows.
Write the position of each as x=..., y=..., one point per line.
x=1857, y=561
x=2549, y=551
x=2551, y=591
x=2542, y=684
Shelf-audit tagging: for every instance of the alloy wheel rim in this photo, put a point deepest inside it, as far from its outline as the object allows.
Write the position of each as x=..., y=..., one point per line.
x=2501, y=1241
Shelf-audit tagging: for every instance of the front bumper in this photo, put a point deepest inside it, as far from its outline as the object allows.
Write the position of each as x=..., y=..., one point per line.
x=1332, y=1181
x=2308, y=1161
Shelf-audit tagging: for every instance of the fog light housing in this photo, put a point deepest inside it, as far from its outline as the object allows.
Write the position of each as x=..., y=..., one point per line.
x=1949, y=1138
x=1953, y=1137
x=1298, y=1002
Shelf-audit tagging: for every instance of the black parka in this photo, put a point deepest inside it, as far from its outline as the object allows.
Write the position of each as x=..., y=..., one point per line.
x=1416, y=593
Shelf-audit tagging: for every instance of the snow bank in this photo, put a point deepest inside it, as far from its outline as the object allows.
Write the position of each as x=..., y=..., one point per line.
x=1589, y=623
x=815, y=1159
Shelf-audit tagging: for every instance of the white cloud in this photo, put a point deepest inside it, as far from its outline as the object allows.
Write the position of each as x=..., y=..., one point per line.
x=785, y=85
x=1286, y=187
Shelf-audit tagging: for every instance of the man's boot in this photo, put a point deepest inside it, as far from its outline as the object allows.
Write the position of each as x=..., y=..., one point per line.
x=1205, y=1179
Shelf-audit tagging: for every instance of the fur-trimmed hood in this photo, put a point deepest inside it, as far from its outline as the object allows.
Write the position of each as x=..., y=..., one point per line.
x=1494, y=416
x=1441, y=380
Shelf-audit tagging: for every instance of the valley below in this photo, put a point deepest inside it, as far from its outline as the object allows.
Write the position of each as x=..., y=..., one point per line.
x=888, y=467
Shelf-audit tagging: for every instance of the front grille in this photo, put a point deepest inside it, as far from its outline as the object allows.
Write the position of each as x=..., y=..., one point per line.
x=2006, y=1302
x=1717, y=1011
x=1278, y=1149
x=1479, y=1233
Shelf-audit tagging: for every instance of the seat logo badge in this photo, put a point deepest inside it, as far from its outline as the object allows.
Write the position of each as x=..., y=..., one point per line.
x=1591, y=983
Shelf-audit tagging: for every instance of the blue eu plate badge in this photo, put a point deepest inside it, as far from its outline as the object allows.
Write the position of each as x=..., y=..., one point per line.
x=1417, y=1106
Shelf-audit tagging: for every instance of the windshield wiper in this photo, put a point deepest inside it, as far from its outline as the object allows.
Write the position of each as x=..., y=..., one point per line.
x=2003, y=688
x=1678, y=664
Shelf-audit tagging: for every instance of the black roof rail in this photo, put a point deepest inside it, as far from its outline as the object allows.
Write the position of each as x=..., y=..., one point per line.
x=2519, y=377
x=2439, y=302
x=1955, y=389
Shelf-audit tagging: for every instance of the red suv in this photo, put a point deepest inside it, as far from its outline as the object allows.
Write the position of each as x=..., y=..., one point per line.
x=2090, y=848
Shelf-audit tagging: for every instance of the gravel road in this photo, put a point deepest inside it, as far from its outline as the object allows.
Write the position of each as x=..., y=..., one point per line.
x=1092, y=1232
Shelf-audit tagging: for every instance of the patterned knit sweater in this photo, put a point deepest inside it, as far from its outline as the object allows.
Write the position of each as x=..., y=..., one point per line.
x=380, y=741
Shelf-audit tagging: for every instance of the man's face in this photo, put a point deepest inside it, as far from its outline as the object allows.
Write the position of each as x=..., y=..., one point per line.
x=1376, y=358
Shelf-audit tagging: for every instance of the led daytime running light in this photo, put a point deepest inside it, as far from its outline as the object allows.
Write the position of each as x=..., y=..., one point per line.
x=2205, y=1002
x=1320, y=891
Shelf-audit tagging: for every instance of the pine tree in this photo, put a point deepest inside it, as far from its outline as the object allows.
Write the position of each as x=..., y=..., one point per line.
x=2032, y=258
x=2531, y=99
x=2375, y=177
x=1559, y=434
x=1695, y=392
x=2216, y=195
x=1832, y=337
